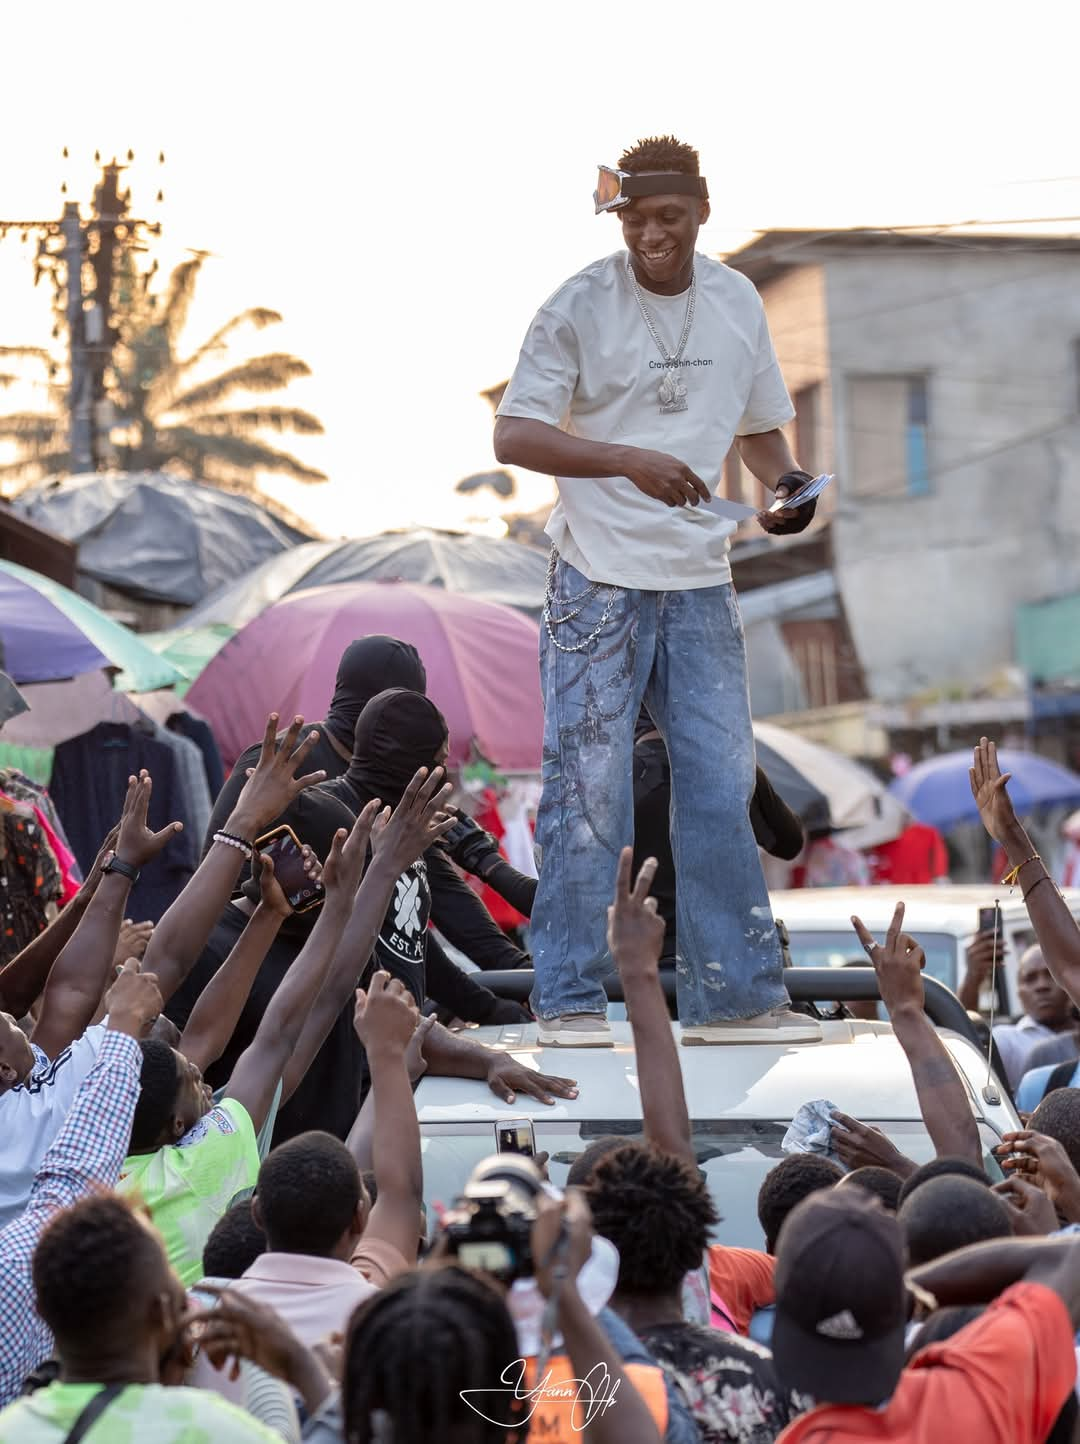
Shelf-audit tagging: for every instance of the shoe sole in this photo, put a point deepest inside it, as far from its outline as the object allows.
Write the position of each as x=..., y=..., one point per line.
x=755, y=1035
x=575, y=1040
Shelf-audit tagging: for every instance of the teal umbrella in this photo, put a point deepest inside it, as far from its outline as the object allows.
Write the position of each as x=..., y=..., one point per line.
x=48, y=633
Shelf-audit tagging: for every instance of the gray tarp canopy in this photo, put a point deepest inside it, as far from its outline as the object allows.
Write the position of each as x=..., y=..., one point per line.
x=487, y=568
x=157, y=537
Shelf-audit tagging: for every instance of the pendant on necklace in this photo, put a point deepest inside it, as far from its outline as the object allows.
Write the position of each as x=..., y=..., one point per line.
x=672, y=393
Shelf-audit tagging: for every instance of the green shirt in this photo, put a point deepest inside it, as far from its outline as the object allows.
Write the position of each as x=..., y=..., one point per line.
x=188, y=1186
x=142, y=1414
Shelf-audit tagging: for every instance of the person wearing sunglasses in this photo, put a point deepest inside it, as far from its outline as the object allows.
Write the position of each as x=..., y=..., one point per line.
x=634, y=381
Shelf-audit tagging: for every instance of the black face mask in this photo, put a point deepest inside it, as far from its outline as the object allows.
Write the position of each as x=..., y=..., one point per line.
x=368, y=667
x=398, y=732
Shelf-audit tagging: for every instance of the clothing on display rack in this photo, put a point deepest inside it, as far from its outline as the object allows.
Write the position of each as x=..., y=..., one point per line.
x=31, y=879
x=89, y=782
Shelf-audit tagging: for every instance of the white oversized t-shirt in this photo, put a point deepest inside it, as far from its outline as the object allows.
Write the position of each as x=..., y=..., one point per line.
x=589, y=366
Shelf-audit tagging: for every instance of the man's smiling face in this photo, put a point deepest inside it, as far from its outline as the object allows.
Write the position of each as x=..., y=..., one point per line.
x=660, y=233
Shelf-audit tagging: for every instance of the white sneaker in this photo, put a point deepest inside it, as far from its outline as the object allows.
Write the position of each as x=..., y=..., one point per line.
x=575, y=1030
x=779, y=1025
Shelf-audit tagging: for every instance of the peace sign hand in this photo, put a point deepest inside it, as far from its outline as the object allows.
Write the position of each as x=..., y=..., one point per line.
x=898, y=964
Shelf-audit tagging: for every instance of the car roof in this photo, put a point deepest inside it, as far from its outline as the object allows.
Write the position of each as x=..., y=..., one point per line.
x=950, y=907
x=858, y=1067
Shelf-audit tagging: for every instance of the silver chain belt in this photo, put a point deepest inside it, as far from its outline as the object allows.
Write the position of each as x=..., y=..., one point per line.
x=577, y=606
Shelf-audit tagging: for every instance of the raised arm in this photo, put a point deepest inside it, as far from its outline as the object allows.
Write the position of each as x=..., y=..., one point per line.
x=262, y=1064
x=1055, y=927
x=942, y=1095
x=385, y=1021
x=217, y=1010
x=182, y=933
x=23, y=979
x=417, y=821
x=81, y=973
x=979, y=1273
x=636, y=939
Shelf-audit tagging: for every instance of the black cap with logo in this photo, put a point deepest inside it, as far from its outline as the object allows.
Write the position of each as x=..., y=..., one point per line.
x=841, y=1305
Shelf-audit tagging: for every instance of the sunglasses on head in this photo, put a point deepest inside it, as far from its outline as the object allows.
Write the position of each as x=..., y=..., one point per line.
x=617, y=188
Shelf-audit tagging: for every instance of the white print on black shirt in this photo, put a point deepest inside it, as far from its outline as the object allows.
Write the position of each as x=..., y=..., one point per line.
x=405, y=925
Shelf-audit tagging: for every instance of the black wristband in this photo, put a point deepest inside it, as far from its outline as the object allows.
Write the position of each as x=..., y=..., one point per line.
x=125, y=869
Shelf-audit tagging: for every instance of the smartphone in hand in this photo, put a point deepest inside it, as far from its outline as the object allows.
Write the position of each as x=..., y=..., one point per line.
x=285, y=850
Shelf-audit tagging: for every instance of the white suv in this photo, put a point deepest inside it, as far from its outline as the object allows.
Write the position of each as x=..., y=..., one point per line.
x=741, y=1098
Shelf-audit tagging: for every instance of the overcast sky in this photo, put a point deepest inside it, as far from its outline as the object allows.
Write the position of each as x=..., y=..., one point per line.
x=406, y=183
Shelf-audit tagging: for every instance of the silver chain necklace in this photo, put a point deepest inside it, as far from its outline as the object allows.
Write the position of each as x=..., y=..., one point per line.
x=672, y=393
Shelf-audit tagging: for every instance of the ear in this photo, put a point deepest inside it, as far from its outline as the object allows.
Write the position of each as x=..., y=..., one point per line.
x=257, y=1213
x=704, y=212
x=8, y=1075
x=360, y=1217
x=178, y=1128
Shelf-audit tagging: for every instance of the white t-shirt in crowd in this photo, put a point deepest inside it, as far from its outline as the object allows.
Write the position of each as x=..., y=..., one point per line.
x=32, y=1115
x=589, y=366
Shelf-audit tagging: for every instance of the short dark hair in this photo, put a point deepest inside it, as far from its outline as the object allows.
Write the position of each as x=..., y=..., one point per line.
x=91, y=1261
x=1058, y=1116
x=943, y=1167
x=413, y=1347
x=159, y=1083
x=794, y=1178
x=308, y=1193
x=235, y=1242
x=581, y=1170
x=656, y=1210
x=662, y=153
x=948, y=1213
x=881, y=1182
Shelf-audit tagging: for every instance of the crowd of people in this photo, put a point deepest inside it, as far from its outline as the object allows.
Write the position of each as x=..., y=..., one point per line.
x=200, y=1242
x=213, y=1221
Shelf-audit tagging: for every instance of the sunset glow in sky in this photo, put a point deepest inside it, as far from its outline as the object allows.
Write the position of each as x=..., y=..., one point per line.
x=407, y=183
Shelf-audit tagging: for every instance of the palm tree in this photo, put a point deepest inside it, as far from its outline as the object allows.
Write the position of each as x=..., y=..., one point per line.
x=164, y=416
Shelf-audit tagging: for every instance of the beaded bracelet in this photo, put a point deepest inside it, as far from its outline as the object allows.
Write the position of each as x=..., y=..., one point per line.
x=1045, y=878
x=1010, y=877
x=231, y=841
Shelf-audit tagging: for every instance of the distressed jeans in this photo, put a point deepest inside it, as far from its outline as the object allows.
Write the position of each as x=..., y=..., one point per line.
x=681, y=653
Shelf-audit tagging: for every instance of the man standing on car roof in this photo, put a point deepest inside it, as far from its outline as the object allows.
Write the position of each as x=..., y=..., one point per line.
x=633, y=382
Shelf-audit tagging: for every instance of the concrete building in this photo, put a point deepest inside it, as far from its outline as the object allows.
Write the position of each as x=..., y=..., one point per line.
x=938, y=375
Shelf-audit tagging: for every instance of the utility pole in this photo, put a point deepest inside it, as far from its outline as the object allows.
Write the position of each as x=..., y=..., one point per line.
x=80, y=402
x=92, y=334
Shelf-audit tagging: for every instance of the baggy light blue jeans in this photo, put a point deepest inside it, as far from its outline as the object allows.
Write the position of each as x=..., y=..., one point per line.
x=683, y=654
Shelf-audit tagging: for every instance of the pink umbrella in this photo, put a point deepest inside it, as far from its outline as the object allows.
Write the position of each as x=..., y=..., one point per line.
x=480, y=659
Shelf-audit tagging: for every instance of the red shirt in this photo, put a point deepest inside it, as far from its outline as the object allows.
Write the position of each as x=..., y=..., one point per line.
x=918, y=855
x=1001, y=1380
x=742, y=1278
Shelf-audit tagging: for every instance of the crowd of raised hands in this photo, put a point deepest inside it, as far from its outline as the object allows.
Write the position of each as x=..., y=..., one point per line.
x=104, y=1112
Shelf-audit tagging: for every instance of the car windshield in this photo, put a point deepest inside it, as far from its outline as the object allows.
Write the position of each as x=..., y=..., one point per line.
x=813, y=949
x=734, y=1156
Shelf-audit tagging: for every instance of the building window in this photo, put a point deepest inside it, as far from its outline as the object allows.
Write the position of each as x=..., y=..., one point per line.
x=888, y=427
x=807, y=404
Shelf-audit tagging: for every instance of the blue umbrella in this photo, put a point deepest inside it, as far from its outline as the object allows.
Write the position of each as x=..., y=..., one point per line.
x=938, y=791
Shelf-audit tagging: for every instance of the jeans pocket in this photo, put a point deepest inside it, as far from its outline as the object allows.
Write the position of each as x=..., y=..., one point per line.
x=734, y=612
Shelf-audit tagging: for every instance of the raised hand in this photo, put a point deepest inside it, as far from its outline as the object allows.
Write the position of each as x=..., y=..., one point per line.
x=1030, y=1210
x=271, y=893
x=898, y=964
x=635, y=928
x=419, y=820
x=240, y=1327
x=344, y=867
x=415, y=1062
x=133, y=940
x=860, y=1145
x=133, y=1003
x=988, y=787
x=385, y=1016
x=1042, y=1160
x=563, y=1227
x=136, y=844
x=105, y=852
x=273, y=783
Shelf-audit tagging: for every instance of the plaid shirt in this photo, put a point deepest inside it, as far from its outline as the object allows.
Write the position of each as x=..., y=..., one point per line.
x=87, y=1154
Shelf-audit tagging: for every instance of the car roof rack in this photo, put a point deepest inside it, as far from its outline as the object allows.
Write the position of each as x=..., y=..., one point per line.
x=804, y=985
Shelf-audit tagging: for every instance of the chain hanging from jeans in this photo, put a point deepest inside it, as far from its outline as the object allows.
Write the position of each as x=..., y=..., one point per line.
x=577, y=606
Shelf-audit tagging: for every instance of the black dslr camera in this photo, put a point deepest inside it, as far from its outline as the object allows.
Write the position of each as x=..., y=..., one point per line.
x=490, y=1227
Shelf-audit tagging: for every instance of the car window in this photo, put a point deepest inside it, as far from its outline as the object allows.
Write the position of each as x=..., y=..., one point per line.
x=813, y=949
x=734, y=1155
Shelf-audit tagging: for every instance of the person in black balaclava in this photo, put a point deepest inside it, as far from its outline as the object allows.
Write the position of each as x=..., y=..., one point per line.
x=367, y=667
